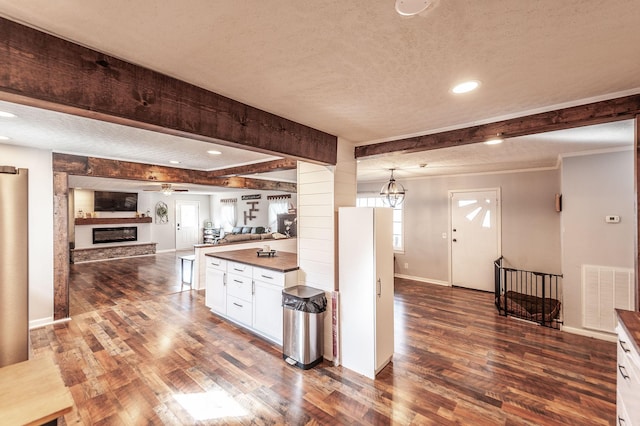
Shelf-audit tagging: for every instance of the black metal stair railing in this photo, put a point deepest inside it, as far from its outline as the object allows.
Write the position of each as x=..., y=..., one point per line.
x=529, y=295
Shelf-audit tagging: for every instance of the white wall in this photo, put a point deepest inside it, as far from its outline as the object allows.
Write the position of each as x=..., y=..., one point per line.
x=592, y=187
x=242, y=206
x=530, y=224
x=40, y=214
x=163, y=234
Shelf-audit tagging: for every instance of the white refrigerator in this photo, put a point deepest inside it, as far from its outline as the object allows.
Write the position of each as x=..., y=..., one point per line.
x=14, y=264
x=365, y=244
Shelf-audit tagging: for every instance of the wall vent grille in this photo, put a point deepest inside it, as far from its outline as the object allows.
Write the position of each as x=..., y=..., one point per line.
x=605, y=289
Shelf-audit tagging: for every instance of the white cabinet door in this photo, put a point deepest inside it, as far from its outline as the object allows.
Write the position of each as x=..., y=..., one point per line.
x=366, y=288
x=384, y=287
x=267, y=310
x=216, y=291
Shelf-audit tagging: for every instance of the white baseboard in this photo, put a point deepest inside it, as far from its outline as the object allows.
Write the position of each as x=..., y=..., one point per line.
x=45, y=321
x=422, y=280
x=591, y=333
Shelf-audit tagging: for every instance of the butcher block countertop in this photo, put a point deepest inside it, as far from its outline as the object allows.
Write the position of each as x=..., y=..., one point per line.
x=281, y=262
x=630, y=320
x=32, y=393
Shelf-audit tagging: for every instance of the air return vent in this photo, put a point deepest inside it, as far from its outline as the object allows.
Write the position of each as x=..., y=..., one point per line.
x=605, y=289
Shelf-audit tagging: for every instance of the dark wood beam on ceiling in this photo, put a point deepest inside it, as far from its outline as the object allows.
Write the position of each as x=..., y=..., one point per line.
x=104, y=168
x=264, y=167
x=584, y=115
x=44, y=71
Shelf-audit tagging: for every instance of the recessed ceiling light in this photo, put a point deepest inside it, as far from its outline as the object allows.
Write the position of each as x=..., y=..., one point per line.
x=411, y=7
x=174, y=161
x=465, y=87
x=214, y=152
x=6, y=114
x=494, y=141
x=4, y=138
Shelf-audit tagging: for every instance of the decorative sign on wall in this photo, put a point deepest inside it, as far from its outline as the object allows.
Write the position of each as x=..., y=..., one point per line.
x=162, y=213
x=252, y=197
x=248, y=215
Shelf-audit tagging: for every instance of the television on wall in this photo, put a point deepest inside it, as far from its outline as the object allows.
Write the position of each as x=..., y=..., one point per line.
x=109, y=201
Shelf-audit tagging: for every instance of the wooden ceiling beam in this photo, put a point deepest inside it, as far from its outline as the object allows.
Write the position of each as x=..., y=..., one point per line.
x=44, y=71
x=115, y=169
x=264, y=167
x=584, y=115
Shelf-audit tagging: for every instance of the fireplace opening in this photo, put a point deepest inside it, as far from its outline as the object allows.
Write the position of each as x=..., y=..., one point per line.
x=115, y=235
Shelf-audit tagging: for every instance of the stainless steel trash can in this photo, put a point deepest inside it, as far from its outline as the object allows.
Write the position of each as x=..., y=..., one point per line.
x=303, y=325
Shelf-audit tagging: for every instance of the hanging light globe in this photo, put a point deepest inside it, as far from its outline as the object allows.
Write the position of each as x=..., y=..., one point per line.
x=392, y=193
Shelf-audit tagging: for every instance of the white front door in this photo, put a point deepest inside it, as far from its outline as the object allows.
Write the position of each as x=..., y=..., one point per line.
x=187, y=224
x=475, y=237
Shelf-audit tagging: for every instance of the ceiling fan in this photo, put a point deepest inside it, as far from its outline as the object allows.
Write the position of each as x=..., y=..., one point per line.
x=167, y=189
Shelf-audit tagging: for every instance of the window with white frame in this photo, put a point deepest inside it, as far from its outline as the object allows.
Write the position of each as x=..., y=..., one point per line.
x=277, y=205
x=398, y=217
x=228, y=213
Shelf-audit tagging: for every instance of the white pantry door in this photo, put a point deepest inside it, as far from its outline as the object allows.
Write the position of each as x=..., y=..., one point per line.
x=187, y=224
x=475, y=237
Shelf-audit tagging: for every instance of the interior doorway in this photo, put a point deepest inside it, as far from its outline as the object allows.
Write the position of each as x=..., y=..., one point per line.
x=187, y=224
x=475, y=237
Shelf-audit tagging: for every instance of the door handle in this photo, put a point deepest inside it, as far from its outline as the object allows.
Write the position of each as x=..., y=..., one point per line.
x=454, y=240
x=623, y=371
x=623, y=345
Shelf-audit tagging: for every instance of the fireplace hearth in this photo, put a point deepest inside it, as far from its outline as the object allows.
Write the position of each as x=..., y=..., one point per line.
x=115, y=234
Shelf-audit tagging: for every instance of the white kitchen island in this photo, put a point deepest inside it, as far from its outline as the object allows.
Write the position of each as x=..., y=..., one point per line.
x=247, y=289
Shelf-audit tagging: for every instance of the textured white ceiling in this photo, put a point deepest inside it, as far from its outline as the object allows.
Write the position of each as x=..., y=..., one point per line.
x=358, y=70
x=69, y=134
x=527, y=152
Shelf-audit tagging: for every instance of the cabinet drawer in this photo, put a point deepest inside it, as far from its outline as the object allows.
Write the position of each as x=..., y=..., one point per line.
x=239, y=310
x=240, y=287
x=625, y=344
x=239, y=269
x=214, y=262
x=268, y=276
x=628, y=378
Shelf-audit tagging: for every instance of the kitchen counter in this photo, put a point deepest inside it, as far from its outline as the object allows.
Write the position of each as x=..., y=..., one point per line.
x=33, y=393
x=630, y=321
x=282, y=261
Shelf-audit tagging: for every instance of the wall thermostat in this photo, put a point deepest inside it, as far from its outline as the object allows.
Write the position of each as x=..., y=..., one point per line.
x=612, y=219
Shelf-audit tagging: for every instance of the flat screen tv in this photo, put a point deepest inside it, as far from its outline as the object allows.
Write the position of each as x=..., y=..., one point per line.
x=108, y=201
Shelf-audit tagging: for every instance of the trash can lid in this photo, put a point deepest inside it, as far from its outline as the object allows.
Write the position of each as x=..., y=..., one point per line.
x=304, y=299
x=303, y=292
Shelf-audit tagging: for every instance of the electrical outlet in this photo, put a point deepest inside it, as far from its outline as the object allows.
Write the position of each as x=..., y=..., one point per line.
x=406, y=266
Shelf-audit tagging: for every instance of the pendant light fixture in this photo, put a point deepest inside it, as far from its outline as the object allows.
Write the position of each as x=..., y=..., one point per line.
x=392, y=193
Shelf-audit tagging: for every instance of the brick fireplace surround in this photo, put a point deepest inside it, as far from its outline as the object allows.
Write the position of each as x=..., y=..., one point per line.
x=112, y=252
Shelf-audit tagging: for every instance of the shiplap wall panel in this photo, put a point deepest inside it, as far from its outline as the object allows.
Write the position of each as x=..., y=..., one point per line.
x=321, y=190
x=323, y=199
x=316, y=223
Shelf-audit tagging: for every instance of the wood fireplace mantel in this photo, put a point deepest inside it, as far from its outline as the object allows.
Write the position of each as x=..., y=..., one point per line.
x=111, y=220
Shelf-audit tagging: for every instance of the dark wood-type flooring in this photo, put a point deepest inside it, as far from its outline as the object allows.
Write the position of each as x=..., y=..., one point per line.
x=138, y=351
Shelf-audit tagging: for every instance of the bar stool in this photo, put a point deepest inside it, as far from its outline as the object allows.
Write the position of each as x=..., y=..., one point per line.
x=187, y=273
